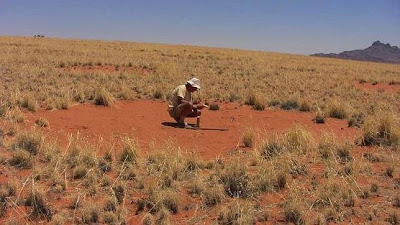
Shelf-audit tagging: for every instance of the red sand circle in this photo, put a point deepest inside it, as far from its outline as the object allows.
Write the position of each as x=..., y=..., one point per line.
x=142, y=119
x=390, y=88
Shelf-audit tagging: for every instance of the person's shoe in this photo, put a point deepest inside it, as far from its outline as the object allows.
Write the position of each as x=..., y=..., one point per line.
x=187, y=126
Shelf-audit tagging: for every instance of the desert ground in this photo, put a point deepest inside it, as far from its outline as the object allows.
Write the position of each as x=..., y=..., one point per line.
x=85, y=136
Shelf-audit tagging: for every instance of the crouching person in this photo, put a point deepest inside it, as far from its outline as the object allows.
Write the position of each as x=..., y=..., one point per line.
x=181, y=104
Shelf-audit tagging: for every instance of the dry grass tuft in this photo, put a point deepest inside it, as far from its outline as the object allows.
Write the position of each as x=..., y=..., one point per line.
x=29, y=141
x=214, y=107
x=290, y=104
x=21, y=159
x=337, y=110
x=130, y=151
x=29, y=103
x=158, y=94
x=90, y=215
x=382, y=131
x=38, y=204
x=237, y=213
x=257, y=102
x=235, y=179
x=319, y=117
x=293, y=214
x=213, y=195
x=110, y=218
x=148, y=219
x=103, y=97
x=42, y=122
x=248, y=138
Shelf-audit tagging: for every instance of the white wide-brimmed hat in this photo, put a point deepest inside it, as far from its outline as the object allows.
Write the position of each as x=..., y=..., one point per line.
x=194, y=82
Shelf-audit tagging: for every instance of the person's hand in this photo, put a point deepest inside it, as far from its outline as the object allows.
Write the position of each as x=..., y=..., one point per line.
x=200, y=106
x=195, y=102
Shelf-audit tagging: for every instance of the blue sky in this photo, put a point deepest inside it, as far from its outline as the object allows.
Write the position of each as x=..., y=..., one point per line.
x=291, y=26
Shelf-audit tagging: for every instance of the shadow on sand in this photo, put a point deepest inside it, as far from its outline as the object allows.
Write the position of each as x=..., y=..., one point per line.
x=175, y=125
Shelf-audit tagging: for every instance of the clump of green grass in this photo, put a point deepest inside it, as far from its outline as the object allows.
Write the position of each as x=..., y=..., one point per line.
x=38, y=204
x=42, y=122
x=248, y=138
x=103, y=97
x=290, y=104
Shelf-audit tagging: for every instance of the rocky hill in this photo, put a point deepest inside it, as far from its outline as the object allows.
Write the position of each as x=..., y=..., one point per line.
x=377, y=52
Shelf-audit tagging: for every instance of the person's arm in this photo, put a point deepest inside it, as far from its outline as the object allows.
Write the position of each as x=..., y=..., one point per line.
x=181, y=100
x=195, y=104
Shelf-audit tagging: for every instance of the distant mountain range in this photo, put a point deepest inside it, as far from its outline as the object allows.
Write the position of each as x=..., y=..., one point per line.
x=377, y=52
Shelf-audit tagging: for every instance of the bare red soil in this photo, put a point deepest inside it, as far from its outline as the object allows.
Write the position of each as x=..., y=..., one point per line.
x=143, y=120
x=391, y=88
x=109, y=69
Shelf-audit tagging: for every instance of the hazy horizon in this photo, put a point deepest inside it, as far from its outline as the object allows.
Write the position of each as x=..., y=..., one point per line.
x=288, y=27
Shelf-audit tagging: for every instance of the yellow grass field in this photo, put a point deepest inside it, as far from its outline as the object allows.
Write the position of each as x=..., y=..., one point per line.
x=290, y=176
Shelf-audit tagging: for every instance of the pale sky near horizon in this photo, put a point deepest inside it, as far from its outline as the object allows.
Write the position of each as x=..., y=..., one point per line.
x=289, y=26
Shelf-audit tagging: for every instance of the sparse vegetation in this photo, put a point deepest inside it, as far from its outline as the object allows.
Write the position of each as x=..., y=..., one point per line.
x=42, y=122
x=381, y=131
x=248, y=138
x=319, y=182
x=103, y=97
x=289, y=105
x=214, y=107
x=319, y=117
x=337, y=110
